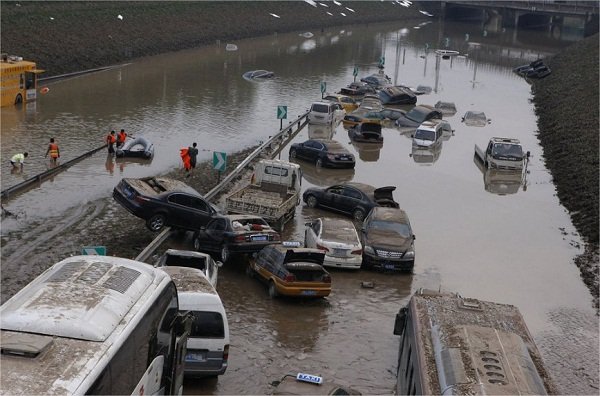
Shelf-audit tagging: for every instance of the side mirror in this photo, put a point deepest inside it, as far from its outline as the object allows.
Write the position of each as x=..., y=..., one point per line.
x=528, y=154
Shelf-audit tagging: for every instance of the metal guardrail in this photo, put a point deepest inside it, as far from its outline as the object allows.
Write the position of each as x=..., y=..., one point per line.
x=19, y=188
x=281, y=138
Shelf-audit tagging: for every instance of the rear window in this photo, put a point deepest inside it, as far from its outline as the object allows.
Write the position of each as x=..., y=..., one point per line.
x=207, y=325
x=307, y=275
x=320, y=108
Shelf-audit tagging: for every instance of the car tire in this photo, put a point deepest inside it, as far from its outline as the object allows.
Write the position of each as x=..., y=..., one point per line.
x=156, y=222
x=293, y=154
x=319, y=163
x=272, y=290
x=358, y=215
x=225, y=253
x=249, y=271
x=311, y=201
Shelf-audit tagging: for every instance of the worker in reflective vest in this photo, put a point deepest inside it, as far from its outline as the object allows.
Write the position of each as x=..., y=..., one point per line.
x=121, y=136
x=111, y=139
x=53, y=151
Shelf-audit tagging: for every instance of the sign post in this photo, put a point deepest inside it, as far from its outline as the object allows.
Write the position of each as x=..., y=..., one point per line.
x=219, y=163
x=323, y=88
x=355, y=72
x=281, y=115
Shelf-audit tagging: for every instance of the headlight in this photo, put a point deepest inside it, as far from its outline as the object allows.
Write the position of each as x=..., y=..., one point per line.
x=369, y=249
x=410, y=254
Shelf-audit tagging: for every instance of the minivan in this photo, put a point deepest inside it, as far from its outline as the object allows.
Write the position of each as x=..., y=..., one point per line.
x=430, y=133
x=327, y=113
x=208, y=343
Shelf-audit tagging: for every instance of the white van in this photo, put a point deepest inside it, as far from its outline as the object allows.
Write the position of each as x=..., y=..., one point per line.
x=208, y=342
x=327, y=113
x=430, y=133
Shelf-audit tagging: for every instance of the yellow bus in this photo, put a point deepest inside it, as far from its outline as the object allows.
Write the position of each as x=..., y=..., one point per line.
x=18, y=80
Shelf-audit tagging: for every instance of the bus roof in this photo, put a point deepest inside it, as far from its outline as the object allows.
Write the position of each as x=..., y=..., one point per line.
x=477, y=347
x=59, y=327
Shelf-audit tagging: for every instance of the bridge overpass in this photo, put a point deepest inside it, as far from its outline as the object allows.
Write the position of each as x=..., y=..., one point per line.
x=552, y=16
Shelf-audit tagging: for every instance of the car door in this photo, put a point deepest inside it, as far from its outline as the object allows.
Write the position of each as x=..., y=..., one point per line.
x=181, y=214
x=212, y=236
x=350, y=199
x=331, y=196
x=317, y=151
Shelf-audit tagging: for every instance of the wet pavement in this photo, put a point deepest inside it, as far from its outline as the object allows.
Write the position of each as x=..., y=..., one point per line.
x=514, y=248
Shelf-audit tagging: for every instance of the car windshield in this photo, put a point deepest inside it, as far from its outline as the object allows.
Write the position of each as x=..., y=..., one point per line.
x=424, y=134
x=399, y=228
x=416, y=114
x=320, y=108
x=507, y=150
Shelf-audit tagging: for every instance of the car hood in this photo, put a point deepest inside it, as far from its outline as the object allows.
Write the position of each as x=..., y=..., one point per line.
x=387, y=240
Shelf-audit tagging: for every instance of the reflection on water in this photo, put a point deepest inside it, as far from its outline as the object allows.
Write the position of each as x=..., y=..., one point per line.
x=502, y=181
x=316, y=131
x=322, y=177
x=368, y=152
x=426, y=155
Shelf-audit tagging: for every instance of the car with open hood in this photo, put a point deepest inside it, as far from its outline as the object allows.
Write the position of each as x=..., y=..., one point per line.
x=388, y=240
x=291, y=271
x=366, y=132
x=354, y=199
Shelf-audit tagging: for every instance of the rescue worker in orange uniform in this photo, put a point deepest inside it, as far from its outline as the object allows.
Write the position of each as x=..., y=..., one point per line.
x=53, y=150
x=111, y=139
x=185, y=157
x=121, y=137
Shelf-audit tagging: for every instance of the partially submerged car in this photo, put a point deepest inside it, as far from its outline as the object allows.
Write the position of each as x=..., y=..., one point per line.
x=325, y=112
x=397, y=95
x=388, y=240
x=362, y=114
x=358, y=89
x=348, y=103
x=164, y=202
x=338, y=239
x=417, y=115
x=475, y=118
x=258, y=74
x=377, y=80
x=355, y=199
x=502, y=153
x=327, y=153
x=188, y=258
x=291, y=271
x=447, y=108
x=366, y=132
x=308, y=384
x=227, y=235
x=431, y=133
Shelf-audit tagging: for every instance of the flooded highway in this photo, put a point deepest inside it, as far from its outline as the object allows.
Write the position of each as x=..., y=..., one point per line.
x=480, y=234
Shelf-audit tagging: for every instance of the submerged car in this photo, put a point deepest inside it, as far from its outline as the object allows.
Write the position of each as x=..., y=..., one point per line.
x=355, y=199
x=327, y=113
x=366, y=132
x=447, y=108
x=377, y=80
x=430, y=133
x=348, y=103
x=187, y=258
x=397, y=95
x=475, y=118
x=362, y=115
x=232, y=234
x=258, y=74
x=358, y=89
x=388, y=240
x=327, y=153
x=338, y=239
x=291, y=271
x=164, y=202
x=417, y=115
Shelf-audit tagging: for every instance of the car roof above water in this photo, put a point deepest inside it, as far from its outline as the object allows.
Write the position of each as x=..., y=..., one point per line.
x=158, y=185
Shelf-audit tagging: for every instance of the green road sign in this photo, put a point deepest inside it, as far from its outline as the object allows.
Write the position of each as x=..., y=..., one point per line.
x=382, y=60
x=281, y=112
x=355, y=72
x=219, y=161
x=323, y=86
x=94, y=250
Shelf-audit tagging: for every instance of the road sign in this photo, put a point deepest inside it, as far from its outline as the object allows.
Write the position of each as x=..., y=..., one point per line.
x=281, y=112
x=381, y=60
x=219, y=161
x=323, y=86
x=355, y=72
x=94, y=250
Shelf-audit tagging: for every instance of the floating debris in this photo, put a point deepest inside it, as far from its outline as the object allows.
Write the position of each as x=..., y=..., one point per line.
x=274, y=15
x=231, y=47
x=120, y=17
x=367, y=285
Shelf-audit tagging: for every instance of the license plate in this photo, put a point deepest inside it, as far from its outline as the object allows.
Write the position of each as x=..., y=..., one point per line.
x=389, y=266
x=194, y=357
x=260, y=238
x=309, y=292
x=128, y=192
x=339, y=252
x=309, y=378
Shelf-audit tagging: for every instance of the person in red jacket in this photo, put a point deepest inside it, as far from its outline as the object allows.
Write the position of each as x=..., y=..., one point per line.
x=111, y=139
x=53, y=150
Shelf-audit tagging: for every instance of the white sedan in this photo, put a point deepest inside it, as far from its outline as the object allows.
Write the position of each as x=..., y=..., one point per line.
x=338, y=239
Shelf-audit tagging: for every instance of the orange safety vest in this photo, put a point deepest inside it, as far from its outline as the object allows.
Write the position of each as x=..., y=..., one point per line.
x=185, y=157
x=121, y=137
x=53, y=150
x=111, y=139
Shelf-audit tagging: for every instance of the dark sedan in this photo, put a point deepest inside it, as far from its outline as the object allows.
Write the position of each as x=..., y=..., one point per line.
x=417, y=115
x=366, y=132
x=164, y=202
x=258, y=74
x=326, y=153
x=397, y=96
x=358, y=89
x=355, y=199
x=231, y=234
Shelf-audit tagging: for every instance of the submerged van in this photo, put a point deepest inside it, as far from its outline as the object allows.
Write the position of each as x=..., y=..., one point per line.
x=325, y=112
x=208, y=342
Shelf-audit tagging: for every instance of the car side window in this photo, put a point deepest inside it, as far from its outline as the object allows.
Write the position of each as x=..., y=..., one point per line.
x=180, y=199
x=352, y=193
x=310, y=144
x=198, y=204
x=335, y=190
x=319, y=146
x=217, y=225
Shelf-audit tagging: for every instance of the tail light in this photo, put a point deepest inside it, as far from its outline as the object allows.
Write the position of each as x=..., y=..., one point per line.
x=290, y=278
x=141, y=199
x=327, y=278
x=240, y=238
x=225, y=353
x=357, y=252
x=321, y=247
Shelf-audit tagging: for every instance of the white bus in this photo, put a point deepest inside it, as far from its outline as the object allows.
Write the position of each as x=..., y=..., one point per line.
x=451, y=345
x=94, y=325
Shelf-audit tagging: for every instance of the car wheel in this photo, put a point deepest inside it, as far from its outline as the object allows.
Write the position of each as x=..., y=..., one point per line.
x=319, y=163
x=225, y=253
x=272, y=290
x=293, y=154
x=358, y=215
x=249, y=271
x=156, y=222
x=311, y=201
